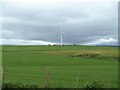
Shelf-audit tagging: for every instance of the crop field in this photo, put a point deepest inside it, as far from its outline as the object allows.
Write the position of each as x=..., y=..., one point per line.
x=68, y=66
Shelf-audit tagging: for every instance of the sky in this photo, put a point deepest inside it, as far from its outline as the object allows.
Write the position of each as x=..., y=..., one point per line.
x=40, y=22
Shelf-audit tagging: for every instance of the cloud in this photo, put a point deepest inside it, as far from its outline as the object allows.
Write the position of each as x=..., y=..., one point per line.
x=23, y=42
x=103, y=41
x=38, y=20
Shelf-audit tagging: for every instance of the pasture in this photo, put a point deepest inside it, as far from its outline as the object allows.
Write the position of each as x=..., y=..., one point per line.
x=69, y=66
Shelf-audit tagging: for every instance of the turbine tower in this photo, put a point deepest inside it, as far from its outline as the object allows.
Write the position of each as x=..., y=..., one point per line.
x=62, y=38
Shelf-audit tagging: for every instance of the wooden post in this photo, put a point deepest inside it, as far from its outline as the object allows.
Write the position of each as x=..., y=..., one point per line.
x=77, y=82
x=47, y=82
x=3, y=72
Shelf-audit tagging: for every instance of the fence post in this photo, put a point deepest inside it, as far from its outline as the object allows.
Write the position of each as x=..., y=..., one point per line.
x=47, y=81
x=77, y=82
x=3, y=72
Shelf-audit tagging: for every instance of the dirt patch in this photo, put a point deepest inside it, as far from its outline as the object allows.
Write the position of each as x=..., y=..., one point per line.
x=92, y=54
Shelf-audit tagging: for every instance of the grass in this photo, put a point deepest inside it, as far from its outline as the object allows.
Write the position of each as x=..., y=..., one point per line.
x=28, y=64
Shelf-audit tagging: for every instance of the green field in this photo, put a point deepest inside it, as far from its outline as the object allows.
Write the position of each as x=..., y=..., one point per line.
x=69, y=66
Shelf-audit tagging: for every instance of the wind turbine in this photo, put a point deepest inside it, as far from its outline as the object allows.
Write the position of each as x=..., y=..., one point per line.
x=62, y=38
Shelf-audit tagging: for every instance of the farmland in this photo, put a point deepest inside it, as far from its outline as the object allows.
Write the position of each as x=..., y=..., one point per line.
x=69, y=66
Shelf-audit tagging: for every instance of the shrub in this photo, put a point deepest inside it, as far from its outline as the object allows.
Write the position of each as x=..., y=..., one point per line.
x=94, y=86
x=12, y=84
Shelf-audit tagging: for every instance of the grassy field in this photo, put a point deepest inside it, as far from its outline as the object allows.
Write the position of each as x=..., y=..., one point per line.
x=69, y=66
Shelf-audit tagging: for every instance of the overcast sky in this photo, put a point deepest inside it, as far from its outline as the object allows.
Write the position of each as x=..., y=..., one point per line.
x=39, y=22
